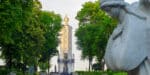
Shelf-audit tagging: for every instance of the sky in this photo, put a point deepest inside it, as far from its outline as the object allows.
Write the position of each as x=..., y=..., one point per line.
x=69, y=8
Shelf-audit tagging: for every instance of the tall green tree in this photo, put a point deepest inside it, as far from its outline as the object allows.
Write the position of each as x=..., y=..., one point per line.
x=32, y=34
x=95, y=27
x=51, y=23
x=10, y=23
x=22, y=36
x=28, y=35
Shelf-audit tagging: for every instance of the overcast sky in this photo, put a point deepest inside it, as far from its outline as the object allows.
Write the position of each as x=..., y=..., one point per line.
x=69, y=7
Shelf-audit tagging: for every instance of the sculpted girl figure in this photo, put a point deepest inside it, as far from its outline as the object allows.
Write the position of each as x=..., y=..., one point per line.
x=128, y=47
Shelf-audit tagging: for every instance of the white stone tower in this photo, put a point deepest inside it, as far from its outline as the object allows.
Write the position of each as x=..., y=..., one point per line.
x=66, y=58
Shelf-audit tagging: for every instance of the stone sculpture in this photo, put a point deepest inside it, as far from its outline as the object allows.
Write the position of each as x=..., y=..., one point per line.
x=128, y=47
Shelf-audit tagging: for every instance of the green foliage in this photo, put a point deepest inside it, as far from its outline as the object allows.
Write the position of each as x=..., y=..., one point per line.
x=51, y=24
x=28, y=35
x=43, y=66
x=3, y=71
x=95, y=26
x=101, y=73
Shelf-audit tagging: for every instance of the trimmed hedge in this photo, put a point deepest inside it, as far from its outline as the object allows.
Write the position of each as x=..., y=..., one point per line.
x=100, y=73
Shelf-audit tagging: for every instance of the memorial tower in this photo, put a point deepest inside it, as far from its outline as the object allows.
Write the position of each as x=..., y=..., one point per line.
x=66, y=57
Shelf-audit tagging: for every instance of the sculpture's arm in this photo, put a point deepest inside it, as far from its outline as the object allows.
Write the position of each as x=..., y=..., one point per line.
x=113, y=8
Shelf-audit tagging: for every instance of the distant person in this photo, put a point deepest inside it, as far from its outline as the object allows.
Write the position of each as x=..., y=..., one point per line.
x=128, y=47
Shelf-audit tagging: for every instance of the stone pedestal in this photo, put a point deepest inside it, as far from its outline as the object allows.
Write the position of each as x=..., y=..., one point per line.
x=66, y=65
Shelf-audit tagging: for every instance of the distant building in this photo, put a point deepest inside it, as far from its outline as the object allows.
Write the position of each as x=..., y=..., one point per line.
x=65, y=57
x=2, y=62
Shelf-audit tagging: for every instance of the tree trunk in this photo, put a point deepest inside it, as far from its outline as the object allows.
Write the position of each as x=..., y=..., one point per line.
x=90, y=63
x=48, y=67
x=8, y=58
x=89, y=66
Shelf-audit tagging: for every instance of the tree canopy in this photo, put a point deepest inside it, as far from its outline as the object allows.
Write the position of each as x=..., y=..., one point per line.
x=95, y=26
x=51, y=23
x=28, y=34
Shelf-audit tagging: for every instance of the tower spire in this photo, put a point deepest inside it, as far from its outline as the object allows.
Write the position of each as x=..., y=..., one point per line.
x=66, y=20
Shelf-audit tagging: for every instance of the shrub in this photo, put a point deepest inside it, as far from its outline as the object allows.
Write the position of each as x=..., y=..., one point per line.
x=100, y=73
